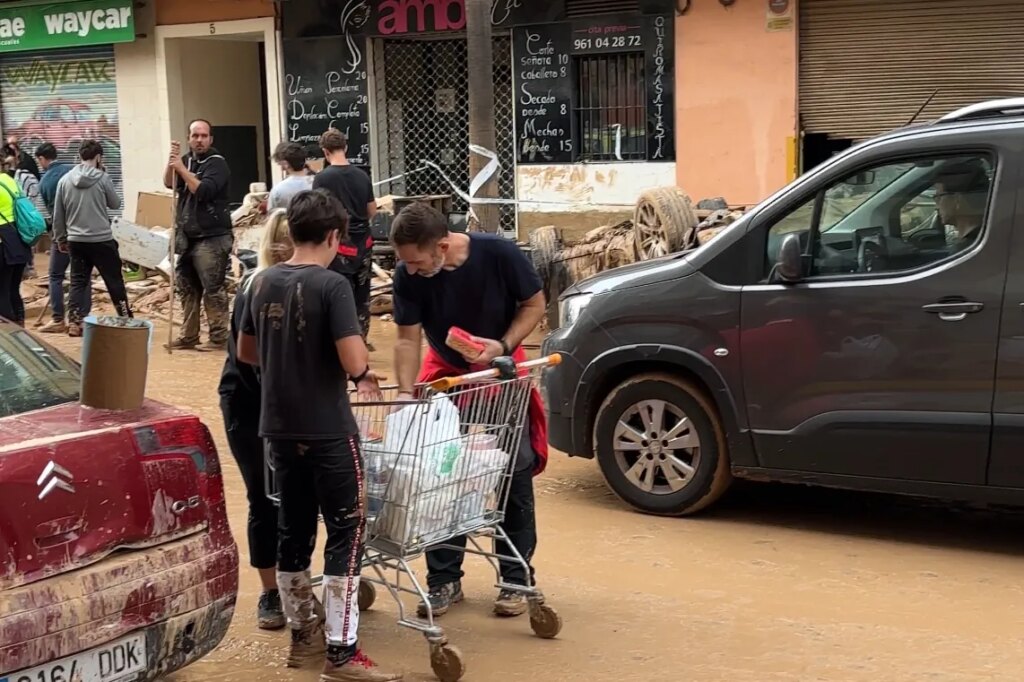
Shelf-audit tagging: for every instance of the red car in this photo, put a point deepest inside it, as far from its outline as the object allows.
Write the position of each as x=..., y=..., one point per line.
x=64, y=123
x=116, y=560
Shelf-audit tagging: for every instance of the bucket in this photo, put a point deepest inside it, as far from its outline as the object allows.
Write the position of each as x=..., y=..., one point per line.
x=115, y=360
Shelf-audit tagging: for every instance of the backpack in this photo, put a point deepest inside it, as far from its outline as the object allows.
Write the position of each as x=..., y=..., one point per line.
x=30, y=222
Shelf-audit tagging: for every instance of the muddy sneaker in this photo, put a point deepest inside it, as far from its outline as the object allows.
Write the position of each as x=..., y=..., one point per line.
x=269, y=613
x=441, y=599
x=74, y=330
x=510, y=603
x=54, y=327
x=308, y=646
x=182, y=344
x=359, y=668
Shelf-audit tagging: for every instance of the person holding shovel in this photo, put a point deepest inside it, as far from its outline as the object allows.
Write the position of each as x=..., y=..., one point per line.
x=484, y=285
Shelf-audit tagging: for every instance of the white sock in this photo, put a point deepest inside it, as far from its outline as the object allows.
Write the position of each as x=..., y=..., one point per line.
x=297, y=598
x=341, y=602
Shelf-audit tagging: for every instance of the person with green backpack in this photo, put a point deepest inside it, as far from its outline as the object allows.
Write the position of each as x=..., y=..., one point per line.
x=15, y=255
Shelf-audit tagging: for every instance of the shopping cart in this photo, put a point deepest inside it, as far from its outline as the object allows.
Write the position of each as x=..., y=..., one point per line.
x=438, y=467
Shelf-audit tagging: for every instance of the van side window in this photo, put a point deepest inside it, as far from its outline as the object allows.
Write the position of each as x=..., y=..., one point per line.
x=892, y=218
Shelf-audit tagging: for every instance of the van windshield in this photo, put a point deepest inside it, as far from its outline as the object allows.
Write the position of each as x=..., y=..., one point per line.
x=844, y=198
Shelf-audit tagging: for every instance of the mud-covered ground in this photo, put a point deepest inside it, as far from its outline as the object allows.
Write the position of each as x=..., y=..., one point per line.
x=776, y=583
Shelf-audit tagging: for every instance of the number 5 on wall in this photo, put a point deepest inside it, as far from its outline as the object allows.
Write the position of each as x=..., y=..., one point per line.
x=213, y=29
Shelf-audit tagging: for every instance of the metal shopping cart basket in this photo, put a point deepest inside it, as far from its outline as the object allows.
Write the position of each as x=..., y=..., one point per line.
x=437, y=468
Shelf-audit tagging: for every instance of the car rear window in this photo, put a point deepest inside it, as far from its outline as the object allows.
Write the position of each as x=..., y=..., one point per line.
x=33, y=375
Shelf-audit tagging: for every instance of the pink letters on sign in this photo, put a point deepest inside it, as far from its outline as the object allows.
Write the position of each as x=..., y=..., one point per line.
x=445, y=15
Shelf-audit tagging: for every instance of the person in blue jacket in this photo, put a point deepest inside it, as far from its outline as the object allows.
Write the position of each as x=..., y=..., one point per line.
x=53, y=171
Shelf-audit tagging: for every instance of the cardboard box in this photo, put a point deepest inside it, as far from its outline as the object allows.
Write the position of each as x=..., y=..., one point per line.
x=154, y=209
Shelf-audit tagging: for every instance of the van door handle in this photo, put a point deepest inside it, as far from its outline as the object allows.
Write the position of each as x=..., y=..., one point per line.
x=953, y=312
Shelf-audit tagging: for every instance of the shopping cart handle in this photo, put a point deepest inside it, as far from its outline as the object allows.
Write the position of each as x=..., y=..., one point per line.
x=448, y=383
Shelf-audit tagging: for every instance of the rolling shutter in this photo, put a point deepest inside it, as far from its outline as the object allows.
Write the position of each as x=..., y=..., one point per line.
x=866, y=66
x=62, y=97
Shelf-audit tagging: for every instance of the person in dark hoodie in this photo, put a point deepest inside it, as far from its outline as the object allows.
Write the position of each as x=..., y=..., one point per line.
x=53, y=171
x=203, y=236
x=81, y=228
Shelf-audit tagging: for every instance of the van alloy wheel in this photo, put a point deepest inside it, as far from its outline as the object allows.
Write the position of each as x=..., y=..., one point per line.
x=657, y=447
x=660, y=444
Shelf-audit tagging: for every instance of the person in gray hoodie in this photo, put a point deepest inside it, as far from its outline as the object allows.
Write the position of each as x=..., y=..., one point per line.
x=82, y=229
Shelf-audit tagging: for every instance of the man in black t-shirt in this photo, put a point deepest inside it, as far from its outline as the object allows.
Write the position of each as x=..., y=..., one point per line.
x=301, y=329
x=486, y=286
x=353, y=188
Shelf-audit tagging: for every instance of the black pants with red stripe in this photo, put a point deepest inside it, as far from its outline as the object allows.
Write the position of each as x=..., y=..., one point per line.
x=319, y=477
x=358, y=270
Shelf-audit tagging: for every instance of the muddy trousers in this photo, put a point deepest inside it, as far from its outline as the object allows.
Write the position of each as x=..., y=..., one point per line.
x=105, y=257
x=445, y=565
x=241, y=422
x=201, y=271
x=314, y=477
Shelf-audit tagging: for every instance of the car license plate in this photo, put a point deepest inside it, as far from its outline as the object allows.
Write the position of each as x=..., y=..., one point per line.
x=107, y=663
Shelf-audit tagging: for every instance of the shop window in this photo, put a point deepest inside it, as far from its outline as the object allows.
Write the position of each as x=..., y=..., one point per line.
x=611, y=107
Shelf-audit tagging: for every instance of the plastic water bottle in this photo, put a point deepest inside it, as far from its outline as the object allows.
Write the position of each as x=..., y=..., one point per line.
x=376, y=481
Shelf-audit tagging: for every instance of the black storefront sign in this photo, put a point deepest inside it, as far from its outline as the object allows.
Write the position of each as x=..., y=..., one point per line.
x=544, y=94
x=326, y=87
x=546, y=81
x=383, y=18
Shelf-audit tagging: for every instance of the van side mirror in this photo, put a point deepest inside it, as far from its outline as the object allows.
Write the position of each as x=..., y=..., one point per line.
x=789, y=265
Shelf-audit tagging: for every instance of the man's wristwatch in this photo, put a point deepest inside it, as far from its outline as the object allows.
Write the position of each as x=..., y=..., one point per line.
x=505, y=350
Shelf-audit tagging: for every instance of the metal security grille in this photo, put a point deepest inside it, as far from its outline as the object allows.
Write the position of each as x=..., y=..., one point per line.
x=611, y=107
x=62, y=97
x=422, y=104
x=867, y=66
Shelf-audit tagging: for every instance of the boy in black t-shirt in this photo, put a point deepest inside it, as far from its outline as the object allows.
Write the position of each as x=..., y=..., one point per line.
x=301, y=329
x=352, y=187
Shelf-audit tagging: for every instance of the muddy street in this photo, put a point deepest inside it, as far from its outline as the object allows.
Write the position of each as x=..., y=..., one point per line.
x=777, y=583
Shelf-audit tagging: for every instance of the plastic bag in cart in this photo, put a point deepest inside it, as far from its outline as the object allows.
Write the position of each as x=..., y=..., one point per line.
x=429, y=431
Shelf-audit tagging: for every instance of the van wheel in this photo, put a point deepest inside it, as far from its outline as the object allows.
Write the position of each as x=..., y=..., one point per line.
x=660, y=445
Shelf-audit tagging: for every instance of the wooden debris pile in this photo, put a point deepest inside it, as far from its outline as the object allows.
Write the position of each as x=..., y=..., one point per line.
x=664, y=222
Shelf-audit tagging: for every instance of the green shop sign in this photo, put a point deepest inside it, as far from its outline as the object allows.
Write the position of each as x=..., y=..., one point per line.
x=66, y=24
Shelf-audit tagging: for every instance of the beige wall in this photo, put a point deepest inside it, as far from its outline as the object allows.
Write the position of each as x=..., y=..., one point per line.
x=221, y=83
x=736, y=101
x=135, y=66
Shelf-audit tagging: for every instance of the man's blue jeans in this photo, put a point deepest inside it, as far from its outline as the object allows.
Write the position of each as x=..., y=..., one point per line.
x=59, y=263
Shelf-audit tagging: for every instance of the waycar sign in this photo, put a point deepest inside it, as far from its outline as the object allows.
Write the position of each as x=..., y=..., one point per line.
x=66, y=24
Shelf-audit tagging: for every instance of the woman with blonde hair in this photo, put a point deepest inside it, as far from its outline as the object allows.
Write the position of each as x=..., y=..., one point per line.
x=240, y=404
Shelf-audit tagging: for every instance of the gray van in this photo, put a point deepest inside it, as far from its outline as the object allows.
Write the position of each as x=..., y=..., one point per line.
x=861, y=328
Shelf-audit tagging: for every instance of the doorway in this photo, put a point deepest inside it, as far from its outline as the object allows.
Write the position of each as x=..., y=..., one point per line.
x=227, y=73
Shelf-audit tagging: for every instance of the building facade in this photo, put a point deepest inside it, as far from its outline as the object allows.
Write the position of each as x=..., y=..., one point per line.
x=769, y=88
x=133, y=75
x=583, y=99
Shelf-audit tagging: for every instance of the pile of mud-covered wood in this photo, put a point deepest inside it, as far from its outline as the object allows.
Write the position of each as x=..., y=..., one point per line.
x=664, y=221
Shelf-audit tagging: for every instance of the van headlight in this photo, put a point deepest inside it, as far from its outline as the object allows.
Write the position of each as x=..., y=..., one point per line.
x=571, y=308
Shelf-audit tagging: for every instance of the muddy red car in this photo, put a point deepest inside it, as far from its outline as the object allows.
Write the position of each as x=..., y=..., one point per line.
x=116, y=560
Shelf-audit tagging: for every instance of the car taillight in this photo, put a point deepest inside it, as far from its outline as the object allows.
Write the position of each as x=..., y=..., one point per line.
x=188, y=437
